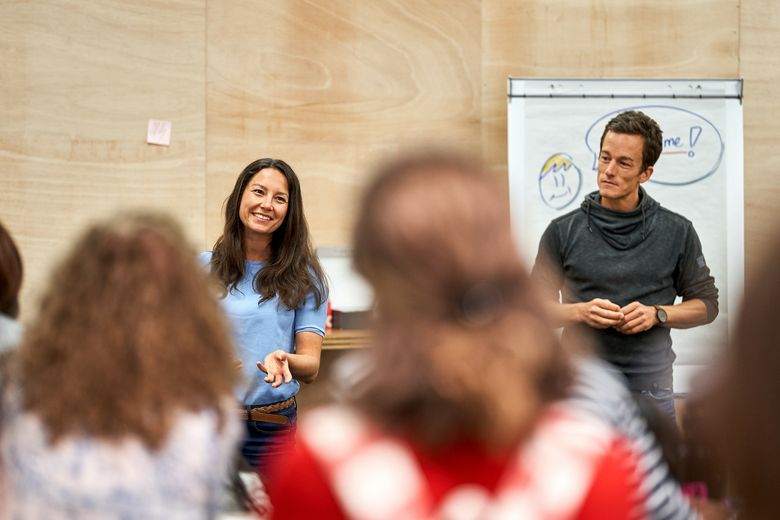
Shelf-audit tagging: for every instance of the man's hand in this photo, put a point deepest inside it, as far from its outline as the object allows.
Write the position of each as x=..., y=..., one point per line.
x=277, y=367
x=600, y=313
x=638, y=318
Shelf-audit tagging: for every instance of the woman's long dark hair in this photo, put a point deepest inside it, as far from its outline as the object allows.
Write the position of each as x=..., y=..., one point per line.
x=293, y=269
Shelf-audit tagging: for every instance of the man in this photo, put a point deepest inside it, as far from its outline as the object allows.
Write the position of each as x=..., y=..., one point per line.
x=620, y=260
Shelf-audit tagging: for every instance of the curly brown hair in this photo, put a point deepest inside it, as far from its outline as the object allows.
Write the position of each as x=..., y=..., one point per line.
x=129, y=332
x=463, y=348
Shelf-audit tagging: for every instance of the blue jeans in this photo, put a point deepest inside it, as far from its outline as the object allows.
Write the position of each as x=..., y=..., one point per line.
x=663, y=397
x=265, y=441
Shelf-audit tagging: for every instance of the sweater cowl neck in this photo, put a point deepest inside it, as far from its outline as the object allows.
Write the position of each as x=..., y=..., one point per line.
x=621, y=230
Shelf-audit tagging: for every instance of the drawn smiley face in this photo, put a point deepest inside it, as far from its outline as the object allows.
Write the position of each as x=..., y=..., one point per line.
x=560, y=181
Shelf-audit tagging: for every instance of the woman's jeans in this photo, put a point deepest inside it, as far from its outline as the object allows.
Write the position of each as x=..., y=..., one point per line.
x=266, y=441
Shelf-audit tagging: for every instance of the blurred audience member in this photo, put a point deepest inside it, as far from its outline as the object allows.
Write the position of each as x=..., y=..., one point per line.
x=666, y=433
x=745, y=419
x=119, y=397
x=10, y=283
x=10, y=329
x=458, y=417
x=703, y=474
x=601, y=391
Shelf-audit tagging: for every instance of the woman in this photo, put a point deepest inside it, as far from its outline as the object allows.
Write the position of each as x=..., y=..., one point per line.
x=119, y=397
x=274, y=295
x=10, y=283
x=455, y=419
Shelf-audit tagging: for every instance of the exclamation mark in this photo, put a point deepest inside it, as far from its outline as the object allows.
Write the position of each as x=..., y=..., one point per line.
x=693, y=138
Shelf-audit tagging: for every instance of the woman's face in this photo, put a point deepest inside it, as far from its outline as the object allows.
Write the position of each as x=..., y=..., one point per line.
x=264, y=203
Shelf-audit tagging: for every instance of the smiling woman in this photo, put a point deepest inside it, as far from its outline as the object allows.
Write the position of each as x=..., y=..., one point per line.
x=274, y=292
x=263, y=208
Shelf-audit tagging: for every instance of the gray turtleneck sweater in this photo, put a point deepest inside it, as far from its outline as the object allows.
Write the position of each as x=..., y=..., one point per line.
x=650, y=255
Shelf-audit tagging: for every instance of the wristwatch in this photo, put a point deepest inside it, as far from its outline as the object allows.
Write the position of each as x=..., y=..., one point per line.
x=660, y=315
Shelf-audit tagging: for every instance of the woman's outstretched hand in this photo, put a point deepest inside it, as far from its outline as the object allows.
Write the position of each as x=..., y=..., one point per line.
x=276, y=367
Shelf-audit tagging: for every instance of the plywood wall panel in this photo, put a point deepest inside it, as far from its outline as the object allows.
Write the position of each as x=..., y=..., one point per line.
x=331, y=86
x=760, y=67
x=605, y=38
x=78, y=84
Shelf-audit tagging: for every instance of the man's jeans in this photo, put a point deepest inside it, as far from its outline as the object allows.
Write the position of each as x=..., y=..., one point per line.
x=662, y=396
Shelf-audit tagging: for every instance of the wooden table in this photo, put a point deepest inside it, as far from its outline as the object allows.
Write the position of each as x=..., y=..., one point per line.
x=340, y=339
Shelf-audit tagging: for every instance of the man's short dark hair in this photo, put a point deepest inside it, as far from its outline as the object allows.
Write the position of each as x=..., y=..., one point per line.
x=637, y=123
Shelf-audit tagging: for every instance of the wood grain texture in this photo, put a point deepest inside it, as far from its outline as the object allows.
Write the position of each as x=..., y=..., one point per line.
x=760, y=67
x=599, y=39
x=331, y=87
x=78, y=84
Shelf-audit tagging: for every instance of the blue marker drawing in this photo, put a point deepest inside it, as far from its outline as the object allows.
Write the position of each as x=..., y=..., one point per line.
x=693, y=136
x=559, y=181
x=693, y=147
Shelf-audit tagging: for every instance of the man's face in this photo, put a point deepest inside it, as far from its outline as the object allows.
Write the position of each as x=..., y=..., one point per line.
x=620, y=171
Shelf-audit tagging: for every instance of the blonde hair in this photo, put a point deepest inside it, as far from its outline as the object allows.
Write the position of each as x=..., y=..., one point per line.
x=128, y=333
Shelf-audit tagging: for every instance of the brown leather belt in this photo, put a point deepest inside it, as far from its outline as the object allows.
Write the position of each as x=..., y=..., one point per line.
x=266, y=413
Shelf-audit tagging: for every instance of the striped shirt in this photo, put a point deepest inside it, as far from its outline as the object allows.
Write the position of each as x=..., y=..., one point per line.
x=601, y=391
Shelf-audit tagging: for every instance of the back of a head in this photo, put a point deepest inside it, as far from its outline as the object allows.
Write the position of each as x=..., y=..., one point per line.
x=10, y=274
x=749, y=420
x=431, y=228
x=462, y=348
x=128, y=332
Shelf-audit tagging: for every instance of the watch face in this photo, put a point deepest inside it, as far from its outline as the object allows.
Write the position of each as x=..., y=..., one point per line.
x=660, y=314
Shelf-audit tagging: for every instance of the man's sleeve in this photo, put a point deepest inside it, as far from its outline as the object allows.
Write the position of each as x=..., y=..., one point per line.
x=693, y=279
x=547, y=273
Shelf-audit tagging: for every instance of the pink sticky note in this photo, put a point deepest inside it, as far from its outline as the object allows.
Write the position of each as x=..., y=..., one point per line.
x=159, y=132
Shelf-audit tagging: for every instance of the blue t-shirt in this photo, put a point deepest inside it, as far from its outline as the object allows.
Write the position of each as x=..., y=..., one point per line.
x=261, y=328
